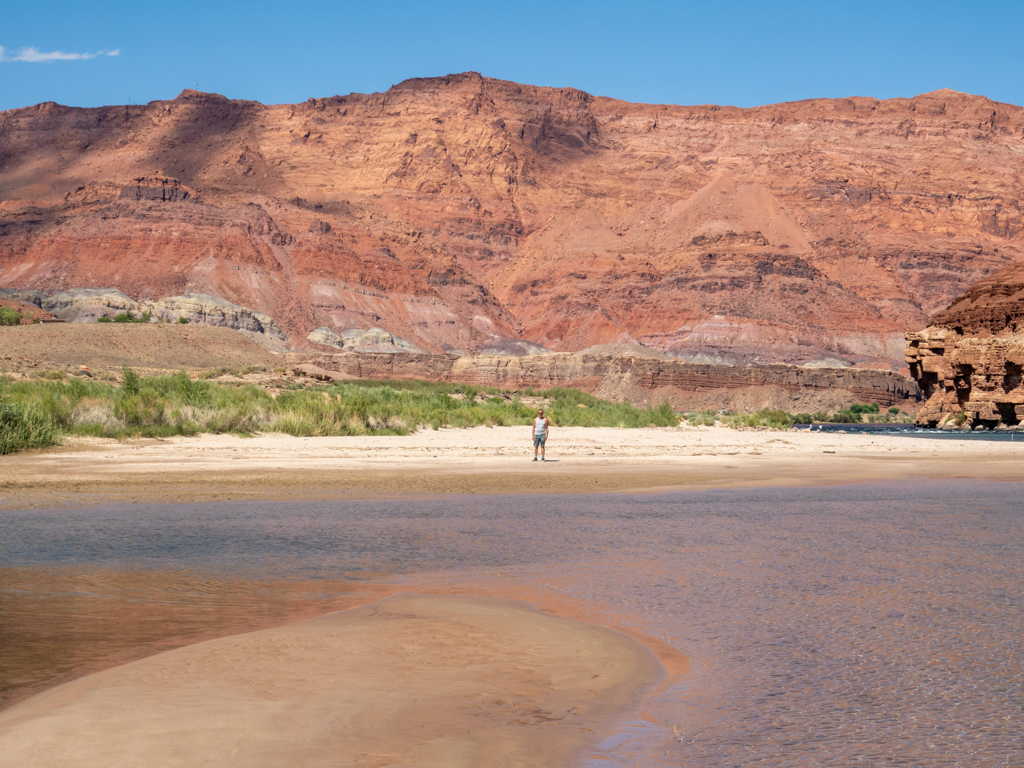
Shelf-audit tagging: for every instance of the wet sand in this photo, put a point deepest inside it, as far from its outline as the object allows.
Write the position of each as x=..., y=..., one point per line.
x=481, y=460
x=415, y=679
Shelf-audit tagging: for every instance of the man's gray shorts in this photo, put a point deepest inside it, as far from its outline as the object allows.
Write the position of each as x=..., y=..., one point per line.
x=538, y=440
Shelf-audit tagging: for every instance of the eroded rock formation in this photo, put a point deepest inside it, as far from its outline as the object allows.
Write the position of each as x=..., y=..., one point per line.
x=84, y=305
x=211, y=310
x=642, y=381
x=362, y=340
x=155, y=187
x=459, y=212
x=88, y=304
x=968, y=362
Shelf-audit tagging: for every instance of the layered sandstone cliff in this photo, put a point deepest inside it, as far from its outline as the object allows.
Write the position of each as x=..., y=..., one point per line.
x=461, y=212
x=641, y=381
x=969, y=361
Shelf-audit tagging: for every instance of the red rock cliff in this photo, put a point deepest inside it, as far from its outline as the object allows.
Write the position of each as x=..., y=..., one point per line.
x=459, y=210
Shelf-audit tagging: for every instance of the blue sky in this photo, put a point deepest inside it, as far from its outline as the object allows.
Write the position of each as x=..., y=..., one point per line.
x=726, y=52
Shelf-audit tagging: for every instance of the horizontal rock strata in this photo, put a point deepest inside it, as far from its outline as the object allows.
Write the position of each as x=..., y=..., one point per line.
x=642, y=380
x=968, y=361
x=83, y=305
x=362, y=340
x=459, y=212
x=210, y=310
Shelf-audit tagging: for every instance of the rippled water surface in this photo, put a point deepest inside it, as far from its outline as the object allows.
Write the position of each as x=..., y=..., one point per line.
x=869, y=624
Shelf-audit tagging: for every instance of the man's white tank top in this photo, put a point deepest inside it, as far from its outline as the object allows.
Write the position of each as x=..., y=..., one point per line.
x=540, y=426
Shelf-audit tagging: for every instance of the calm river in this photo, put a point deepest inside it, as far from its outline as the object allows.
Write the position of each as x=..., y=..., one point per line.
x=871, y=624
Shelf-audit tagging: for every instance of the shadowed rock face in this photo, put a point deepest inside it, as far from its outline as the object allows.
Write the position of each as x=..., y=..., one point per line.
x=969, y=361
x=460, y=212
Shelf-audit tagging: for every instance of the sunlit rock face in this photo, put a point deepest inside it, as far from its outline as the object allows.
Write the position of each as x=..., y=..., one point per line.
x=969, y=360
x=460, y=212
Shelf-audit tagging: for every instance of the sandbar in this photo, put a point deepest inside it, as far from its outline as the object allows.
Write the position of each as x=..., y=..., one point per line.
x=415, y=679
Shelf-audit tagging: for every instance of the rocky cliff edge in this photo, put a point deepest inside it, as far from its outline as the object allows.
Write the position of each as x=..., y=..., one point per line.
x=969, y=360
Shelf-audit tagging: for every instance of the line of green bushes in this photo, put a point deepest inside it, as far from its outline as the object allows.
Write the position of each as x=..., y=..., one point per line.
x=40, y=413
x=126, y=317
x=776, y=419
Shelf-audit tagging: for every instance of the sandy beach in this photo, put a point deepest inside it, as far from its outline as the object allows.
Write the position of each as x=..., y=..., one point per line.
x=483, y=460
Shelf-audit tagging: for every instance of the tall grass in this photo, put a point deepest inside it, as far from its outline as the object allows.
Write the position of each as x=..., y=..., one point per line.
x=164, y=406
x=25, y=427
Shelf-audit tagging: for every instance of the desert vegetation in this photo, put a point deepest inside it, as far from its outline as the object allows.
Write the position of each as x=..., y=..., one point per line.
x=859, y=413
x=9, y=316
x=39, y=413
x=126, y=317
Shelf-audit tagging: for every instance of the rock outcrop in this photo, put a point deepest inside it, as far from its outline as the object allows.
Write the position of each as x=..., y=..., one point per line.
x=210, y=310
x=512, y=347
x=968, y=362
x=360, y=340
x=83, y=305
x=460, y=211
x=155, y=187
x=642, y=381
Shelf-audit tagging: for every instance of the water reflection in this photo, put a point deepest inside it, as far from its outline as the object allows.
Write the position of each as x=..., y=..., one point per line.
x=847, y=625
x=59, y=623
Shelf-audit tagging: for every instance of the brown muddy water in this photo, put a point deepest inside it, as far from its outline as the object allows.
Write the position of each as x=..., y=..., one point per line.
x=872, y=624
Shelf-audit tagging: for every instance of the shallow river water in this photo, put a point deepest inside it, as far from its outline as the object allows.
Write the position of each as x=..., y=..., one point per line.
x=869, y=624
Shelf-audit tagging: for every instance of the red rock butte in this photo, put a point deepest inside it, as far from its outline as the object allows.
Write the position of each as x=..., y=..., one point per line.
x=458, y=212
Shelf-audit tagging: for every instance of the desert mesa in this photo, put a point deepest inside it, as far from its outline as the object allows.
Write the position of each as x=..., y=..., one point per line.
x=463, y=214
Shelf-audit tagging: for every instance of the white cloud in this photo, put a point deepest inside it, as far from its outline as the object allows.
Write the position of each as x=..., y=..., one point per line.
x=34, y=55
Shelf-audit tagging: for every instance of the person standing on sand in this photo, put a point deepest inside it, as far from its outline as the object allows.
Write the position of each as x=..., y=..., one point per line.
x=540, y=433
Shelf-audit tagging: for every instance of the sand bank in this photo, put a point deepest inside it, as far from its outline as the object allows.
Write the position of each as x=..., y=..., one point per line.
x=415, y=679
x=482, y=460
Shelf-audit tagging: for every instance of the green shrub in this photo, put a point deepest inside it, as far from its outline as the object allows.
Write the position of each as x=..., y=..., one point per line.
x=864, y=408
x=103, y=320
x=130, y=381
x=845, y=417
x=703, y=419
x=773, y=419
x=803, y=418
x=183, y=321
x=54, y=375
x=894, y=411
x=128, y=317
x=143, y=409
x=9, y=316
x=195, y=393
